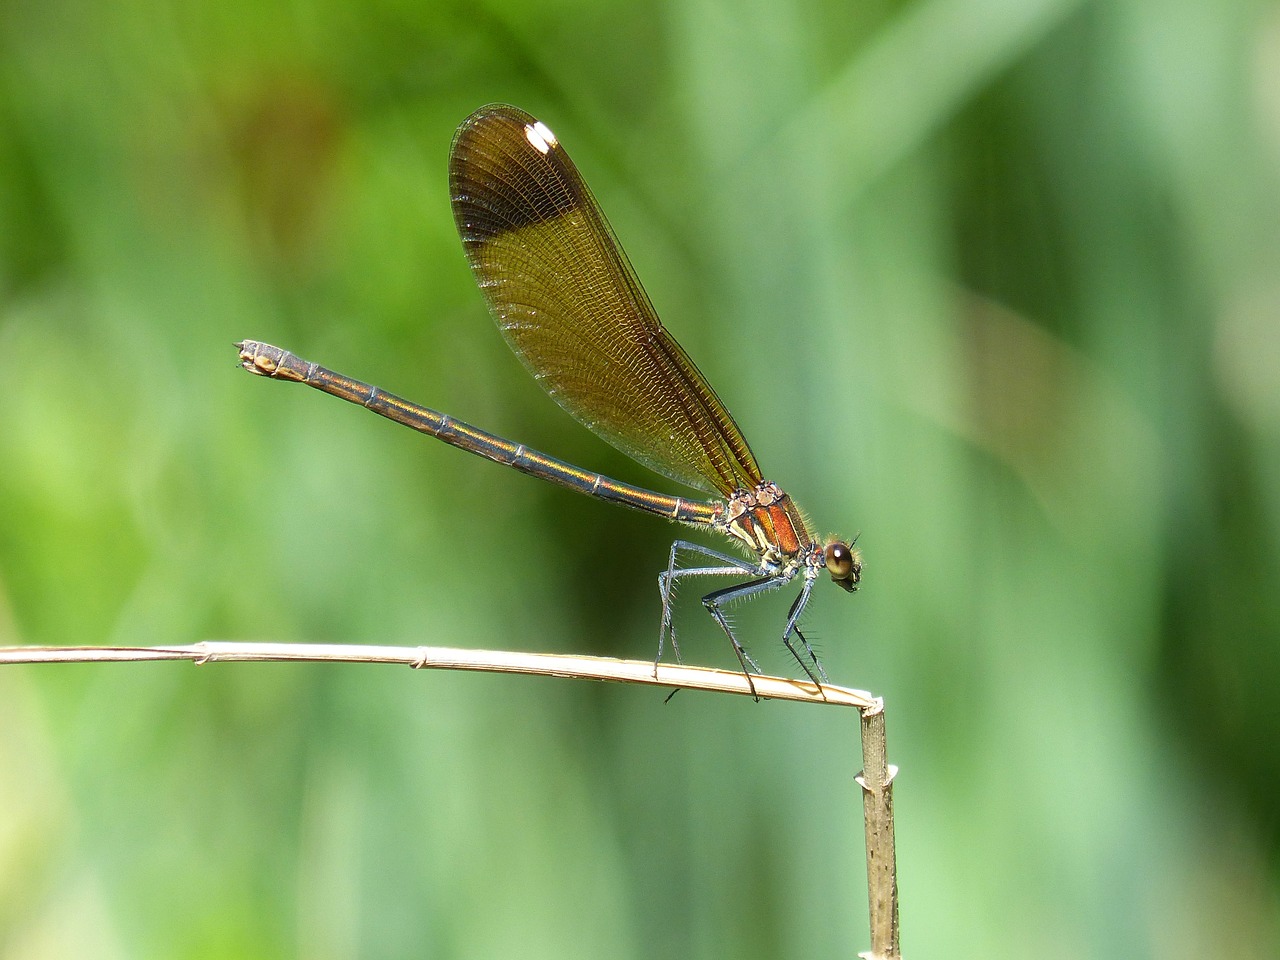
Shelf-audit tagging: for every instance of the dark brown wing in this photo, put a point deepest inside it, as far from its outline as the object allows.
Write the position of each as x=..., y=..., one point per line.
x=568, y=302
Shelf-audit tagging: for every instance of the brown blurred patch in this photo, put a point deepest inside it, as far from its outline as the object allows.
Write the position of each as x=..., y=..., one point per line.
x=1071, y=433
x=1021, y=384
x=251, y=166
x=283, y=138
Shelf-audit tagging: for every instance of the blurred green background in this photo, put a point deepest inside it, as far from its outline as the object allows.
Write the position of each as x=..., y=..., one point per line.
x=993, y=282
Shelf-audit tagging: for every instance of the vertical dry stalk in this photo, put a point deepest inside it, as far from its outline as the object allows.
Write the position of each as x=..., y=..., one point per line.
x=876, y=781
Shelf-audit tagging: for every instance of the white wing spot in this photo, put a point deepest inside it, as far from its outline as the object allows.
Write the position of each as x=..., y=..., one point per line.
x=539, y=136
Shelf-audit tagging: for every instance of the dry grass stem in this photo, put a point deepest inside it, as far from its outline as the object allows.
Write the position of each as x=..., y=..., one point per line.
x=454, y=658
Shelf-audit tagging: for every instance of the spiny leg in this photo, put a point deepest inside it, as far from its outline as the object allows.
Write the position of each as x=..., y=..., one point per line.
x=741, y=591
x=733, y=566
x=813, y=657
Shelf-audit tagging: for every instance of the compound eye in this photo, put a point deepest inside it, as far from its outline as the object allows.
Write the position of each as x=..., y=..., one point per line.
x=840, y=560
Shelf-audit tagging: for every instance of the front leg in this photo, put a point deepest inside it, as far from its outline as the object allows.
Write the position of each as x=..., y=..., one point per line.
x=793, y=618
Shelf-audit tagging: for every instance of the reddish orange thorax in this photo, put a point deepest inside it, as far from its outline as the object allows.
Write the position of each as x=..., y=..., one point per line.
x=768, y=522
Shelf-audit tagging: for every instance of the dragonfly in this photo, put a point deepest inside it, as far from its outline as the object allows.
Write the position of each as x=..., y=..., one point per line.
x=567, y=301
